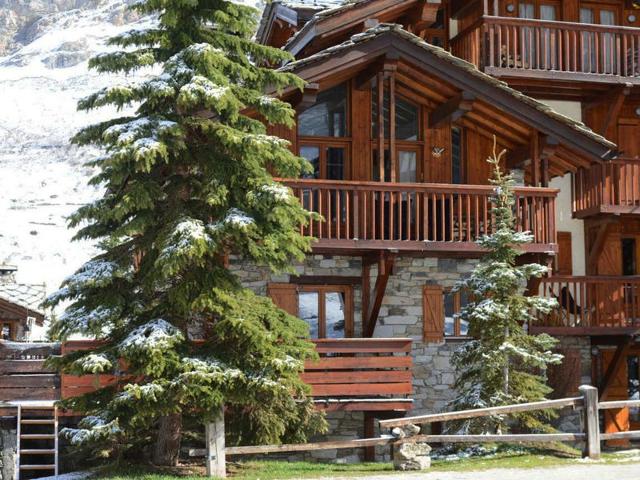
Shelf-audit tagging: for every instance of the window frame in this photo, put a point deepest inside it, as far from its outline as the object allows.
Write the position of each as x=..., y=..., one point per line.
x=457, y=306
x=323, y=143
x=322, y=290
x=347, y=116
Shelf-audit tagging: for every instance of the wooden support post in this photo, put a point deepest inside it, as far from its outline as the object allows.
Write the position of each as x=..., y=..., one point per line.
x=369, y=426
x=591, y=423
x=214, y=437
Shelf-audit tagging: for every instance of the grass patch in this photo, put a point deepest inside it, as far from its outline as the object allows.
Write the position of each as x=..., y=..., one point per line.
x=502, y=456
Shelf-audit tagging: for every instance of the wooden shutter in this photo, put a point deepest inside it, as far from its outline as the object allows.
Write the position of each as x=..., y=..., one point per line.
x=564, y=260
x=285, y=296
x=565, y=378
x=433, y=313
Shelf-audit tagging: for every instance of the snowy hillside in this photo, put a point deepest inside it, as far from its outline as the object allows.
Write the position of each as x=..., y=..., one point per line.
x=43, y=72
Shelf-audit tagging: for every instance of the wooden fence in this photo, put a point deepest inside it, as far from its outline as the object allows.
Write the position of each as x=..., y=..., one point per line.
x=23, y=374
x=587, y=403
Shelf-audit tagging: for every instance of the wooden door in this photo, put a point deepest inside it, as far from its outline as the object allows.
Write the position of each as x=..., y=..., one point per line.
x=616, y=420
x=627, y=192
x=608, y=298
x=564, y=258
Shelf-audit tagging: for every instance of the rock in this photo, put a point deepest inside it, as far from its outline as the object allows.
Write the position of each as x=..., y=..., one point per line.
x=412, y=456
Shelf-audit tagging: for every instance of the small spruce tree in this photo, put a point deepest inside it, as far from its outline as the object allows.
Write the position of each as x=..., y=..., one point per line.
x=502, y=364
x=187, y=183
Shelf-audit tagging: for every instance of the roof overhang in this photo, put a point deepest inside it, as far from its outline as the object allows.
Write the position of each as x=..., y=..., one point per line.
x=333, y=21
x=274, y=12
x=12, y=311
x=394, y=41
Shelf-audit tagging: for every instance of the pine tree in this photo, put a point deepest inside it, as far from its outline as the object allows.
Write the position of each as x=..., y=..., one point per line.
x=188, y=182
x=502, y=364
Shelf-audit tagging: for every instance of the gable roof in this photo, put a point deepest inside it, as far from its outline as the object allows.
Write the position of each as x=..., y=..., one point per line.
x=316, y=25
x=386, y=38
x=293, y=12
x=22, y=299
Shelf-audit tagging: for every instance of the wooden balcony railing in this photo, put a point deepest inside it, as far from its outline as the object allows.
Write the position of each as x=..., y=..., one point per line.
x=612, y=187
x=415, y=216
x=516, y=46
x=597, y=305
x=364, y=374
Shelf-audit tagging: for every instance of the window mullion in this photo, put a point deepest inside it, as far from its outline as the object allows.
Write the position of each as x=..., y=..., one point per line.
x=322, y=319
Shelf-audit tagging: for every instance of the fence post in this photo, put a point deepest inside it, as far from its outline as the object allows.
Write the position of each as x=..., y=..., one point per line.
x=591, y=422
x=214, y=437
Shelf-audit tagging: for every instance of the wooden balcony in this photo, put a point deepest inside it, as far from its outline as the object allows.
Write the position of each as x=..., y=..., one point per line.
x=596, y=305
x=609, y=188
x=352, y=374
x=417, y=217
x=516, y=47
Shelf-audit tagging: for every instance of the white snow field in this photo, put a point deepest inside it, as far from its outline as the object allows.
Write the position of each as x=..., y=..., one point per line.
x=42, y=177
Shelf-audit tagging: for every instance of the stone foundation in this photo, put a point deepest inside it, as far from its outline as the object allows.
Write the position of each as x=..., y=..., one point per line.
x=8, y=444
x=400, y=316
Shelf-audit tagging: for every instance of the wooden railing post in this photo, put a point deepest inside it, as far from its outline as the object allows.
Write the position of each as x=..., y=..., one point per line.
x=591, y=422
x=214, y=437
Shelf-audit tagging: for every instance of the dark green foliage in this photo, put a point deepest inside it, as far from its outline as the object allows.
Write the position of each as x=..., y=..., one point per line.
x=502, y=364
x=186, y=186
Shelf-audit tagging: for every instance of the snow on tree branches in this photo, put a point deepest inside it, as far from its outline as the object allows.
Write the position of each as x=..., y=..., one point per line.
x=502, y=364
x=188, y=182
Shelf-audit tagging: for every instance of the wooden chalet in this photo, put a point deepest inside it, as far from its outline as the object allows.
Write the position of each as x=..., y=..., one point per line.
x=402, y=104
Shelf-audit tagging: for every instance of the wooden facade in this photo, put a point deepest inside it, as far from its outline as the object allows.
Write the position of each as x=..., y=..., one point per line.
x=398, y=130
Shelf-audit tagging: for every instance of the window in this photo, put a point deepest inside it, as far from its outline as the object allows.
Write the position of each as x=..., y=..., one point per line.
x=328, y=309
x=329, y=160
x=407, y=116
x=327, y=117
x=457, y=170
x=6, y=332
x=453, y=303
x=439, y=309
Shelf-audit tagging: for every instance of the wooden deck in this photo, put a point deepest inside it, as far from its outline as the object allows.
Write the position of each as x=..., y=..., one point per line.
x=596, y=305
x=551, y=50
x=612, y=188
x=417, y=217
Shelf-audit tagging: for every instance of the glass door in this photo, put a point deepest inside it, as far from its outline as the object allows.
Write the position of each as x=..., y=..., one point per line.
x=599, y=49
x=537, y=51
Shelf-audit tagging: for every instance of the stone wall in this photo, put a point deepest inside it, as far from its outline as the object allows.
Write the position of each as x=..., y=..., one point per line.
x=570, y=421
x=400, y=316
x=8, y=443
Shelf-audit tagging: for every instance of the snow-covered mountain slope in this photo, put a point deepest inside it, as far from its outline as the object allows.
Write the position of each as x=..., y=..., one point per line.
x=43, y=73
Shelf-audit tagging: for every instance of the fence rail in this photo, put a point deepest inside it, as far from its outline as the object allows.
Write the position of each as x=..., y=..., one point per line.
x=529, y=47
x=417, y=216
x=588, y=402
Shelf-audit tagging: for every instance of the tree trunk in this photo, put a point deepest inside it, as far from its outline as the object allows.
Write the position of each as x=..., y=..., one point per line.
x=167, y=449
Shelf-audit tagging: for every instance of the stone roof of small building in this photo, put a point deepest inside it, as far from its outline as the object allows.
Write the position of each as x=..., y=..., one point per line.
x=24, y=295
x=456, y=61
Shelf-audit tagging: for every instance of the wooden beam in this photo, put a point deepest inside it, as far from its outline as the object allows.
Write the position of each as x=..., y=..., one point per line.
x=385, y=268
x=306, y=98
x=619, y=357
x=452, y=109
x=482, y=412
x=614, y=109
x=324, y=280
x=369, y=427
x=596, y=247
x=387, y=64
x=392, y=128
